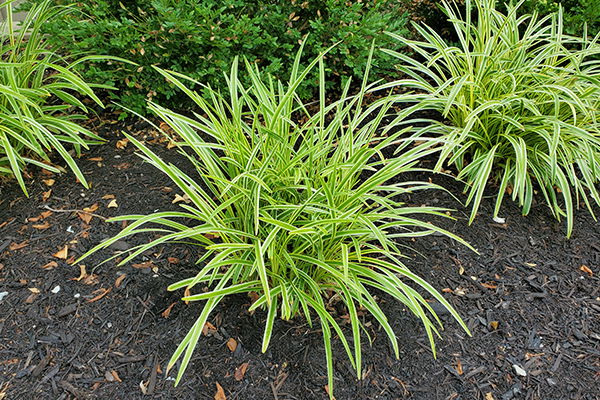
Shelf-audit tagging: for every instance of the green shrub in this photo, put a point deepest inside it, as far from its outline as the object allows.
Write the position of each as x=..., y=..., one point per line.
x=522, y=102
x=303, y=207
x=585, y=14
x=429, y=12
x=201, y=38
x=578, y=14
x=38, y=97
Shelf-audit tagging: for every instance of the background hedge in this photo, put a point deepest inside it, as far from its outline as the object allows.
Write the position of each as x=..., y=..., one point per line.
x=201, y=38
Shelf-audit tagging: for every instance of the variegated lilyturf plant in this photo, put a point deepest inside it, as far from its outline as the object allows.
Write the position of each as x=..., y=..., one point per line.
x=300, y=207
x=38, y=97
x=520, y=101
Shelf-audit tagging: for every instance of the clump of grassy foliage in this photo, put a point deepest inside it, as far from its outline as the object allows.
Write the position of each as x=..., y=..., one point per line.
x=300, y=207
x=38, y=97
x=520, y=101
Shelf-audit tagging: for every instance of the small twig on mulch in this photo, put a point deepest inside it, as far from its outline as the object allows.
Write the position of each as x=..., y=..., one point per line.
x=76, y=211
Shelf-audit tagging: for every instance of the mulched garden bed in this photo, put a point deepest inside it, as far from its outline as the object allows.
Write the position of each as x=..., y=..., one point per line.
x=530, y=297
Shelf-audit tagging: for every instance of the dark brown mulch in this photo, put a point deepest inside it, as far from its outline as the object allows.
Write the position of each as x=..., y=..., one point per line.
x=530, y=305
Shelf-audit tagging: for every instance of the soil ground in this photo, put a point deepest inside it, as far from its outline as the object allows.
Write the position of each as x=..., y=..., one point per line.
x=531, y=298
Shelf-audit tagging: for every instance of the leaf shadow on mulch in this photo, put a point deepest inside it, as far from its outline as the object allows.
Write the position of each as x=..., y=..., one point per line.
x=533, y=311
